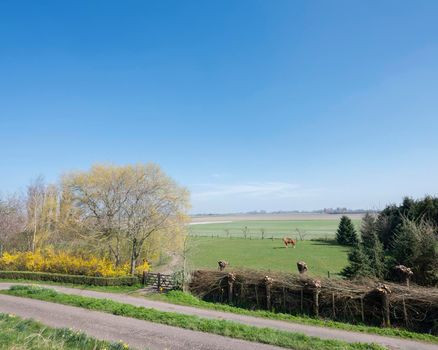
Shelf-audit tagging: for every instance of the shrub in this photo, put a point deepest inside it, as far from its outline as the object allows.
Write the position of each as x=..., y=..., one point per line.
x=75, y=279
x=64, y=263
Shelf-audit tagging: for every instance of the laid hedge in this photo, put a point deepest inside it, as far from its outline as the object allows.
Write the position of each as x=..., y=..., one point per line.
x=414, y=308
x=76, y=279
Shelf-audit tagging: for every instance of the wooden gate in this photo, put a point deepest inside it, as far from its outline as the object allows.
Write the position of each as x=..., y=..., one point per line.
x=159, y=281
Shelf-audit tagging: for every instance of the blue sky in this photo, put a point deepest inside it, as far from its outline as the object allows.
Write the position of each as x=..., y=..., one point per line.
x=250, y=104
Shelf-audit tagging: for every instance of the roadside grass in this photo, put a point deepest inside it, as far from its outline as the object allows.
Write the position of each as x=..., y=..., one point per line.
x=186, y=299
x=111, y=289
x=267, y=254
x=231, y=329
x=19, y=334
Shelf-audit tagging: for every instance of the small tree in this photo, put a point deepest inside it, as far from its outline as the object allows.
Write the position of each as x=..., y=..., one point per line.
x=301, y=233
x=405, y=249
x=359, y=263
x=372, y=247
x=414, y=246
x=245, y=231
x=12, y=220
x=346, y=234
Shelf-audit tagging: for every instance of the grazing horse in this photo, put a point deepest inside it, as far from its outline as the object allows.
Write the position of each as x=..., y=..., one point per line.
x=288, y=240
x=222, y=264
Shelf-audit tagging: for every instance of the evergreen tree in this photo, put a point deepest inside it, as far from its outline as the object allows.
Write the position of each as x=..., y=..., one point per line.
x=405, y=248
x=426, y=264
x=372, y=247
x=415, y=246
x=359, y=265
x=346, y=234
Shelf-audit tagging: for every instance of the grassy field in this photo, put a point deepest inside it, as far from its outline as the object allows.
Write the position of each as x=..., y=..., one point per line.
x=311, y=228
x=268, y=254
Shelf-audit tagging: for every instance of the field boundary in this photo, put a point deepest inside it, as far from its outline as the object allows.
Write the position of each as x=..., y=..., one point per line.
x=370, y=302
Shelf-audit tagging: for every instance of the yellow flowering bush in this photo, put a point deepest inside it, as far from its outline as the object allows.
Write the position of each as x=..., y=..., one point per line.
x=64, y=263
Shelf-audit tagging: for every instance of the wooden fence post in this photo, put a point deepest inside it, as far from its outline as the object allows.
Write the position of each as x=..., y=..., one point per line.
x=405, y=312
x=315, y=286
x=316, y=302
x=145, y=275
x=333, y=306
x=302, y=267
x=159, y=282
x=384, y=292
x=231, y=280
x=405, y=273
x=284, y=299
x=268, y=284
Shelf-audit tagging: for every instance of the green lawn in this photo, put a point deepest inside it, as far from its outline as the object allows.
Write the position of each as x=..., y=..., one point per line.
x=267, y=254
x=277, y=228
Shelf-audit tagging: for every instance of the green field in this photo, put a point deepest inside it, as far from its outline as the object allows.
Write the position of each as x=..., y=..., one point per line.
x=310, y=229
x=267, y=254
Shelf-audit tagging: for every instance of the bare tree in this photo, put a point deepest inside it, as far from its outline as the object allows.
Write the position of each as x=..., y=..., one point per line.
x=99, y=194
x=155, y=204
x=35, y=203
x=227, y=232
x=301, y=233
x=12, y=219
x=245, y=232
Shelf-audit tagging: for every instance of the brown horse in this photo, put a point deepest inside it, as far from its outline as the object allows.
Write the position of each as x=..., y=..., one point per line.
x=288, y=240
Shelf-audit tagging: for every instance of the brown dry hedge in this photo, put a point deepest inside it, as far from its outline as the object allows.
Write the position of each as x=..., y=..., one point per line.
x=367, y=301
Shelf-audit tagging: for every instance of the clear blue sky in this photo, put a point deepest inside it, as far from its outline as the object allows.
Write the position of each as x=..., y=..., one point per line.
x=250, y=104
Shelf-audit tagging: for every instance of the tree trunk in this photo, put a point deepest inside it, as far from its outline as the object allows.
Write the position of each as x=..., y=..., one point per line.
x=34, y=231
x=134, y=256
x=132, y=270
x=116, y=252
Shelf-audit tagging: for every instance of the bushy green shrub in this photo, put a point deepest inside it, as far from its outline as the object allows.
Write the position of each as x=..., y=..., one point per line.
x=75, y=279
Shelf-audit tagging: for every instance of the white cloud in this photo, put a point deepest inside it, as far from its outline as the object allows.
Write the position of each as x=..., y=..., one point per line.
x=250, y=189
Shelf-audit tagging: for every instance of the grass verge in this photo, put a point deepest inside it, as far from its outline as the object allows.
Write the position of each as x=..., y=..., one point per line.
x=270, y=336
x=16, y=333
x=186, y=299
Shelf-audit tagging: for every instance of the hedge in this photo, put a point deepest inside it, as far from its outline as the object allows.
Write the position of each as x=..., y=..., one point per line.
x=75, y=279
